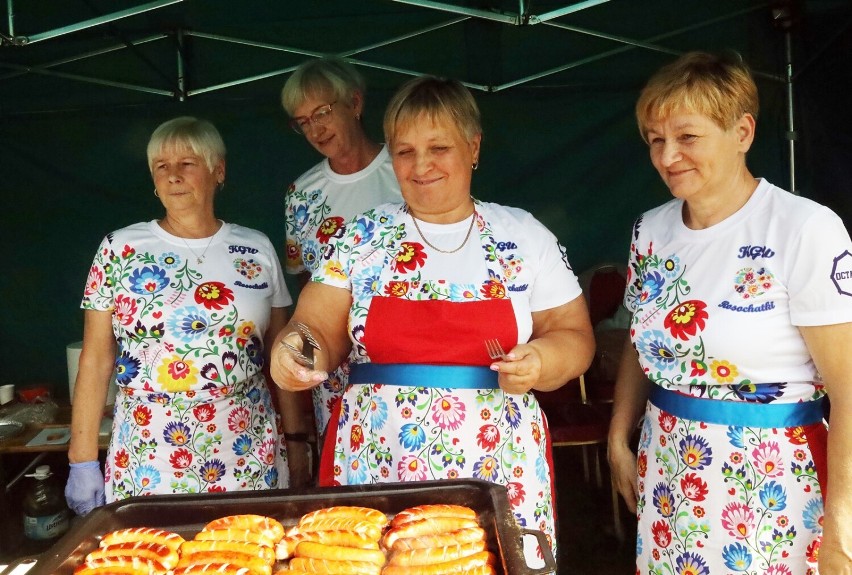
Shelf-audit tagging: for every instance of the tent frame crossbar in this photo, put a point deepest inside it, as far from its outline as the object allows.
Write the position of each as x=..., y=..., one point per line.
x=313, y=54
x=86, y=55
x=87, y=79
x=181, y=92
x=85, y=24
x=648, y=44
x=522, y=18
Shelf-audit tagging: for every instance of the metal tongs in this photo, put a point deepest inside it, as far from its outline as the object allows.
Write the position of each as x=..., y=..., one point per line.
x=305, y=356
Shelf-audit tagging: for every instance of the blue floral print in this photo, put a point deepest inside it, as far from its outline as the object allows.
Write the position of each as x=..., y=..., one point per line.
x=189, y=323
x=148, y=280
x=737, y=557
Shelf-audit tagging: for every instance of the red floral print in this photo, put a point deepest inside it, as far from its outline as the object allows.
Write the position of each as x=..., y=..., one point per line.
x=330, y=228
x=662, y=534
x=687, y=319
x=812, y=552
x=213, y=295
x=536, y=431
x=667, y=421
x=693, y=487
x=796, y=435
x=356, y=438
x=699, y=368
x=94, y=281
x=409, y=257
x=396, y=289
x=493, y=290
x=142, y=415
x=122, y=459
x=181, y=459
x=488, y=437
x=517, y=495
x=125, y=309
x=204, y=412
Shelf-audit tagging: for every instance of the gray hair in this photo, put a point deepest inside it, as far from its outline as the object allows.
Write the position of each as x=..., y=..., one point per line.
x=331, y=77
x=187, y=132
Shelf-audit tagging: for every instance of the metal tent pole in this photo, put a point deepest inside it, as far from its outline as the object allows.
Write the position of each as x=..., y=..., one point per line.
x=181, y=71
x=791, y=131
x=11, y=14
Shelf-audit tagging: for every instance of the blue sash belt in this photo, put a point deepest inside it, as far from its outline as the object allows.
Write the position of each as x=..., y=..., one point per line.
x=737, y=413
x=422, y=375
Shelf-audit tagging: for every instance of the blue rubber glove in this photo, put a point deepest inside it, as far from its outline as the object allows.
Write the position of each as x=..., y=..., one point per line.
x=85, y=488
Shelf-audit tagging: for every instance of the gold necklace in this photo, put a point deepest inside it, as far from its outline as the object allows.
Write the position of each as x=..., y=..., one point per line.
x=436, y=248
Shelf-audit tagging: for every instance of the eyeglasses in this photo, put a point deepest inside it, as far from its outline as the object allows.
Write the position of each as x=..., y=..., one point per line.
x=321, y=117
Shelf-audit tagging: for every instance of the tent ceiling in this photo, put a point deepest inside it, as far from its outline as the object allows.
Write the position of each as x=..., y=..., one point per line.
x=101, y=52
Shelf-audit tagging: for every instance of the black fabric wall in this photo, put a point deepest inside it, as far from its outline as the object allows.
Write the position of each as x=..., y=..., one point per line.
x=574, y=159
x=569, y=153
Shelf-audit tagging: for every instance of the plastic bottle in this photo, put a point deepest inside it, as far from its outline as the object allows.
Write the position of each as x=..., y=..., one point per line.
x=7, y=543
x=46, y=516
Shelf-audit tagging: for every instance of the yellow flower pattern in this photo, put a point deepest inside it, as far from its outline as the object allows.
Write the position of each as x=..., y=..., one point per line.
x=177, y=374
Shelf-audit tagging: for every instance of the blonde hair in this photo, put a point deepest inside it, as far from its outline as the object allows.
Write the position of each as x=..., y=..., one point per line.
x=720, y=87
x=189, y=133
x=331, y=77
x=437, y=99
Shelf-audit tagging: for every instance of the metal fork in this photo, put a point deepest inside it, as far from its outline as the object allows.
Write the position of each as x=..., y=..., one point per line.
x=495, y=350
x=305, y=356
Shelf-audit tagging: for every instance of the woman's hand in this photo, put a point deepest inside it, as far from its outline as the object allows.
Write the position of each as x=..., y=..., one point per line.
x=622, y=465
x=520, y=370
x=288, y=373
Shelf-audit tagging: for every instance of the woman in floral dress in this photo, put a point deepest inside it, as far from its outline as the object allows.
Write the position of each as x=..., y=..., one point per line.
x=179, y=311
x=416, y=289
x=741, y=301
x=324, y=98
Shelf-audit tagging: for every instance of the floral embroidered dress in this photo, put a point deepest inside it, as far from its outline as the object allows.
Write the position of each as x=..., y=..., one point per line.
x=193, y=412
x=715, y=315
x=415, y=305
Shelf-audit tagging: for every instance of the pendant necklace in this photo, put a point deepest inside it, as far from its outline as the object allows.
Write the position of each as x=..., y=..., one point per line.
x=436, y=248
x=199, y=259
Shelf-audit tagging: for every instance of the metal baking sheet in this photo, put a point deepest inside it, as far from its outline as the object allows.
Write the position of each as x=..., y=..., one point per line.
x=187, y=514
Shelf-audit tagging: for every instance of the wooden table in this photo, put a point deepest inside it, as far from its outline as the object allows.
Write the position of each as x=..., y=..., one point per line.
x=18, y=443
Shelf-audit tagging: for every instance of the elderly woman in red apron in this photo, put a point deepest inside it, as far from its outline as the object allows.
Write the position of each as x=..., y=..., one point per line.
x=416, y=289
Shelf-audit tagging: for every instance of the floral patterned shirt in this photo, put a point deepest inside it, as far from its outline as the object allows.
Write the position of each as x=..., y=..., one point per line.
x=715, y=311
x=193, y=413
x=320, y=202
x=180, y=325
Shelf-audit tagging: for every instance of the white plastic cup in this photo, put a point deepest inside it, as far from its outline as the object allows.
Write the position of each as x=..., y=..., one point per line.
x=7, y=394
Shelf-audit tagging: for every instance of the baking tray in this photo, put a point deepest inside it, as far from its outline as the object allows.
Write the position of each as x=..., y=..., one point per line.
x=187, y=514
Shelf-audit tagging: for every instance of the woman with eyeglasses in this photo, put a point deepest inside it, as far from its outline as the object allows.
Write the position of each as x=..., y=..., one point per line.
x=741, y=323
x=325, y=101
x=417, y=289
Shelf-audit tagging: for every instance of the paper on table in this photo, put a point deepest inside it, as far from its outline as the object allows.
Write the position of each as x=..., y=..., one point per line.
x=51, y=436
